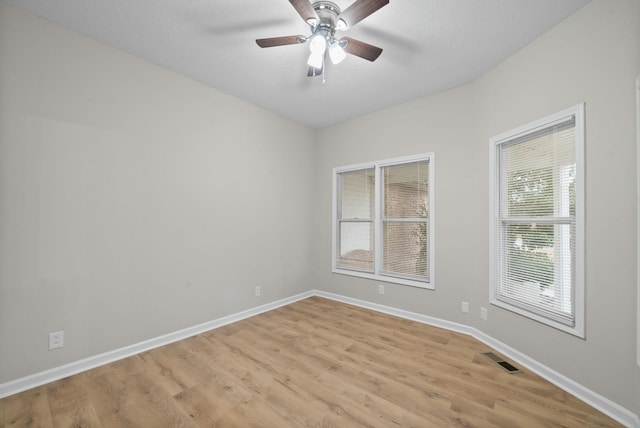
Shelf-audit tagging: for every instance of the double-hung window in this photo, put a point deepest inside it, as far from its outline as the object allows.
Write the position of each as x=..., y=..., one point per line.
x=383, y=220
x=537, y=220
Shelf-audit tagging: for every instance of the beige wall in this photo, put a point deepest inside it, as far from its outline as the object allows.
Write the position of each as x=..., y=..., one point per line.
x=133, y=201
x=593, y=57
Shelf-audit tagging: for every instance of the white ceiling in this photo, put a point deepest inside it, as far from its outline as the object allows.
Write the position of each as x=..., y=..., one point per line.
x=429, y=46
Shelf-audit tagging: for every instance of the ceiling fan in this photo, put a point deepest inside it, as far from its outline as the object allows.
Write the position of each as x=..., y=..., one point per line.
x=324, y=19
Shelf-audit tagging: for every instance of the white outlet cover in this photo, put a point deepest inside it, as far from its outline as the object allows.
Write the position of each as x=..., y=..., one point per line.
x=56, y=340
x=465, y=307
x=380, y=288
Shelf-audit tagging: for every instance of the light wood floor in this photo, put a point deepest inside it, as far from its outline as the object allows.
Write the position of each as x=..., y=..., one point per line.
x=314, y=363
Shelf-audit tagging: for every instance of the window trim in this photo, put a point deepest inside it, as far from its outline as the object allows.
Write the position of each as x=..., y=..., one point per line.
x=377, y=221
x=637, y=88
x=578, y=329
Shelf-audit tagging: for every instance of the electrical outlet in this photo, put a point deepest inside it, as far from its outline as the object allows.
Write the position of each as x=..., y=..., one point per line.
x=380, y=288
x=258, y=291
x=483, y=313
x=56, y=340
x=465, y=307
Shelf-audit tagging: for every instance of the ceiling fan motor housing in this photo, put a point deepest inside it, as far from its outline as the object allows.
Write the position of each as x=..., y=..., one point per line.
x=328, y=14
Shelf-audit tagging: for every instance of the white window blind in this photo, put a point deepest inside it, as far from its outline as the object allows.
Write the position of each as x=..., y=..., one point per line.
x=404, y=224
x=537, y=183
x=383, y=222
x=355, y=220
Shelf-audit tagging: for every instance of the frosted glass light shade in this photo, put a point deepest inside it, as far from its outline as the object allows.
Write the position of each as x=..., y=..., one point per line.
x=318, y=44
x=315, y=59
x=336, y=53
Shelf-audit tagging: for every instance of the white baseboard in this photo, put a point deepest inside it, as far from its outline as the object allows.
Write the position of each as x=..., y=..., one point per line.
x=599, y=402
x=56, y=373
x=606, y=406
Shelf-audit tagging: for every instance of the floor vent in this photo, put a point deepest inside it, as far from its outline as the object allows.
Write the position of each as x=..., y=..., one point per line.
x=505, y=365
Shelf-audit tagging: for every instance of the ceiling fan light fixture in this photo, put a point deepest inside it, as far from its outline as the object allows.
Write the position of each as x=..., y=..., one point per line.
x=318, y=43
x=336, y=53
x=316, y=59
x=341, y=25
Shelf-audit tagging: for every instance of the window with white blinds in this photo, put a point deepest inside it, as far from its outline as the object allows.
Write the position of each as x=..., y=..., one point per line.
x=383, y=220
x=538, y=220
x=355, y=221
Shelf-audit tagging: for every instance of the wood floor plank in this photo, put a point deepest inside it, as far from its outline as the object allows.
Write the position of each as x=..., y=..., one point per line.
x=175, y=377
x=150, y=405
x=108, y=394
x=29, y=408
x=315, y=363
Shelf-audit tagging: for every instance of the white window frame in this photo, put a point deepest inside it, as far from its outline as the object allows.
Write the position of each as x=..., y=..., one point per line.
x=578, y=327
x=637, y=88
x=377, y=221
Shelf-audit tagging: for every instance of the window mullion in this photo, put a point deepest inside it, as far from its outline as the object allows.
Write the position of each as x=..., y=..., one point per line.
x=378, y=212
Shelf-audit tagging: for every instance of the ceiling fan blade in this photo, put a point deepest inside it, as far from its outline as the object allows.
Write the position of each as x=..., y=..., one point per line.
x=360, y=9
x=280, y=41
x=305, y=10
x=361, y=49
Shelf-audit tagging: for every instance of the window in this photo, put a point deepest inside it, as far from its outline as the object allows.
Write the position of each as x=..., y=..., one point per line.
x=383, y=220
x=537, y=220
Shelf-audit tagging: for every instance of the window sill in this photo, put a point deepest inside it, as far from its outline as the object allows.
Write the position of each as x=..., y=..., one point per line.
x=384, y=278
x=574, y=330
